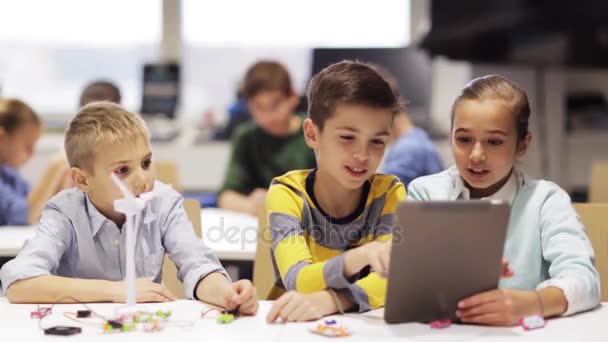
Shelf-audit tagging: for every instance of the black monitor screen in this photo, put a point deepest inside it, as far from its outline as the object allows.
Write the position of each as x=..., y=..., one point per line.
x=528, y=32
x=160, y=89
x=411, y=68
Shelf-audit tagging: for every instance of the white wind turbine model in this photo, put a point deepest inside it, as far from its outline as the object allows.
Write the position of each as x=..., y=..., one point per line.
x=132, y=208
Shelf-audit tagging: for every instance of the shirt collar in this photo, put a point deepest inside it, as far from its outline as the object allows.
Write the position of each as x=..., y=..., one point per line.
x=506, y=193
x=97, y=219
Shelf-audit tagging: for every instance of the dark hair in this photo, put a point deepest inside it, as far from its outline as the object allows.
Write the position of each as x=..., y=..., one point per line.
x=349, y=82
x=266, y=76
x=15, y=113
x=392, y=81
x=100, y=91
x=495, y=87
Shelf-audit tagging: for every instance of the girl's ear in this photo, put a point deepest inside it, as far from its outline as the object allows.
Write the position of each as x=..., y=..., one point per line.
x=311, y=133
x=523, y=146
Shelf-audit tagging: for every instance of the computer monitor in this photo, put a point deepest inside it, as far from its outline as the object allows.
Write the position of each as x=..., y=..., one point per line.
x=410, y=66
x=160, y=89
x=530, y=32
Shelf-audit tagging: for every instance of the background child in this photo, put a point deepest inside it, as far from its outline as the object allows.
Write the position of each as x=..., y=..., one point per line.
x=79, y=250
x=411, y=154
x=268, y=147
x=20, y=129
x=330, y=224
x=100, y=91
x=92, y=92
x=548, y=250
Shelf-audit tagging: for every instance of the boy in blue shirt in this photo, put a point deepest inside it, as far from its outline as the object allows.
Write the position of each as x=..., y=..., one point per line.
x=79, y=250
x=411, y=154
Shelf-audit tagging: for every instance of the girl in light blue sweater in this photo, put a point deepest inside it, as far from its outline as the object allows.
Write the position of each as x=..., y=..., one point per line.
x=548, y=250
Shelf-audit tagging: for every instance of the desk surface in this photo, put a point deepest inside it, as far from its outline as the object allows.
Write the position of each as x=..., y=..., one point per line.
x=15, y=323
x=231, y=236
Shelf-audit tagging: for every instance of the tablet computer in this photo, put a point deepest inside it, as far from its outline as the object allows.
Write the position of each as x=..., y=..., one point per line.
x=443, y=252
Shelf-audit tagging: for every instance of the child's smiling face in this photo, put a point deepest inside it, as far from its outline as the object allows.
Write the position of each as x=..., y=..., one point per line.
x=351, y=144
x=485, y=144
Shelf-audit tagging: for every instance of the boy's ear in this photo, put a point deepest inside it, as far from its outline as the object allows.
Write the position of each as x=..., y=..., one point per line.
x=523, y=146
x=80, y=179
x=311, y=133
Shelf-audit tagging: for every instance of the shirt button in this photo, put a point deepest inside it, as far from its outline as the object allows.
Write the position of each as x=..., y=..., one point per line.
x=116, y=242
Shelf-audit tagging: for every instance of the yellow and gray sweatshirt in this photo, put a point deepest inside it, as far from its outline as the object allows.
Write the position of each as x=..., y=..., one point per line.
x=308, y=245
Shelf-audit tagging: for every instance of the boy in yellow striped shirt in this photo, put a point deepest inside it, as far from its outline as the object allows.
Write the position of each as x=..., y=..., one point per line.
x=332, y=226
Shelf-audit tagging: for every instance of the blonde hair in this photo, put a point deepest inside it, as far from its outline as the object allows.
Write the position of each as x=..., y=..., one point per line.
x=100, y=123
x=496, y=87
x=14, y=114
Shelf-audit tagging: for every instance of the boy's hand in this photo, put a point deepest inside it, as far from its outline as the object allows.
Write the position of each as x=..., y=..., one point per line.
x=147, y=291
x=378, y=255
x=501, y=307
x=239, y=294
x=298, y=307
x=245, y=297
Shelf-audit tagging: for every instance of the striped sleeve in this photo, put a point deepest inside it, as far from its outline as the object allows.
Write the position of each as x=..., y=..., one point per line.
x=294, y=260
x=290, y=249
x=386, y=226
x=370, y=292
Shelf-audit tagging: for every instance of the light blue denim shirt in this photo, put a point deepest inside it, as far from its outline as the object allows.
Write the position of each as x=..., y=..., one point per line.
x=14, y=208
x=546, y=242
x=75, y=240
x=413, y=155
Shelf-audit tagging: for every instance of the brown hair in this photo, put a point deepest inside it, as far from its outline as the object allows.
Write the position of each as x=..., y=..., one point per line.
x=349, y=82
x=496, y=87
x=266, y=76
x=100, y=123
x=99, y=91
x=392, y=81
x=15, y=113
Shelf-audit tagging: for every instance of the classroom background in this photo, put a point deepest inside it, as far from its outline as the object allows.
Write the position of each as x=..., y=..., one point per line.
x=181, y=64
x=209, y=45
